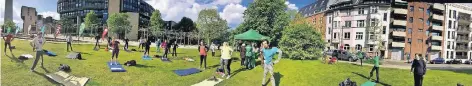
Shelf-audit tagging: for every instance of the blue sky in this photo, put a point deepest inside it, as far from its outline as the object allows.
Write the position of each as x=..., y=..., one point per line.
x=230, y=10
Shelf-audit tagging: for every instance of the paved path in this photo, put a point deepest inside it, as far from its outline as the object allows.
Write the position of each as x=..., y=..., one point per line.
x=401, y=65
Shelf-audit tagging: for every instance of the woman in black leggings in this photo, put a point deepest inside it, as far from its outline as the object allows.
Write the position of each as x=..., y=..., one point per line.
x=147, y=48
x=115, y=52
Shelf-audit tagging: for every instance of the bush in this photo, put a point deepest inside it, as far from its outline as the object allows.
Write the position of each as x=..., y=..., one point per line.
x=301, y=41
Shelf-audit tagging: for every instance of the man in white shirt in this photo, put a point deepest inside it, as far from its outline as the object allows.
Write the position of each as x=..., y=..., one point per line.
x=37, y=44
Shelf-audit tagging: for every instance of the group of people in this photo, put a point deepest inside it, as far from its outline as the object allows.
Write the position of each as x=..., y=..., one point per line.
x=248, y=53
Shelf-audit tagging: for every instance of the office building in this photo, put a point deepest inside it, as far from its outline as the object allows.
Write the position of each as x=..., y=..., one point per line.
x=8, y=14
x=29, y=17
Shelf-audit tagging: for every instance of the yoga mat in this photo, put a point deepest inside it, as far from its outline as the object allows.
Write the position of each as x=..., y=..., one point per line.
x=165, y=60
x=72, y=55
x=146, y=57
x=50, y=53
x=368, y=83
x=67, y=79
x=184, y=72
x=116, y=68
x=207, y=82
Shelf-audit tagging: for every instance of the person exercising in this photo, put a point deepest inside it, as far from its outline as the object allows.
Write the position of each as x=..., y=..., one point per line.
x=268, y=54
x=202, y=49
x=174, y=48
x=147, y=45
x=37, y=44
x=126, y=43
x=115, y=51
x=8, y=40
x=97, y=38
x=69, y=43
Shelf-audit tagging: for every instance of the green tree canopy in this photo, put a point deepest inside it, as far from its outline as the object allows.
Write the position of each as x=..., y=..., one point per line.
x=91, y=21
x=210, y=25
x=157, y=24
x=268, y=17
x=118, y=24
x=185, y=25
x=9, y=24
x=301, y=41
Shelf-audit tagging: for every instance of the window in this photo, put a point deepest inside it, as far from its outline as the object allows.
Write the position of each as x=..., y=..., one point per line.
x=420, y=30
x=314, y=21
x=421, y=9
x=329, y=30
x=359, y=35
x=410, y=19
x=385, y=17
x=453, y=35
x=371, y=48
x=346, y=47
x=347, y=23
x=421, y=20
x=427, y=33
x=358, y=47
x=329, y=19
x=360, y=23
x=420, y=40
x=372, y=22
x=454, y=14
x=412, y=8
x=335, y=35
x=449, y=24
x=409, y=30
x=428, y=12
x=454, y=25
x=360, y=11
x=348, y=12
x=448, y=34
x=371, y=35
x=335, y=24
x=384, y=30
x=347, y=35
x=450, y=13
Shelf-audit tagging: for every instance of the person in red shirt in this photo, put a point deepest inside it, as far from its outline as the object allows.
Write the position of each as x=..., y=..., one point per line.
x=202, y=49
x=166, y=49
x=8, y=40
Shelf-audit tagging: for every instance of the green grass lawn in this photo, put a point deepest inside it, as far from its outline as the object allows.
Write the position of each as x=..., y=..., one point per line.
x=158, y=73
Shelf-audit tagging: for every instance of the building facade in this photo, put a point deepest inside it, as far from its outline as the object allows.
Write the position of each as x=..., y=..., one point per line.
x=314, y=13
x=8, y=14
x=29, y=17
x=356, y=25
x=458, y=36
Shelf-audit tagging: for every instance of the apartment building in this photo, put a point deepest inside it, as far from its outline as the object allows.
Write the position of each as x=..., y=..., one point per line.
x=350, y=25
x=458, y=36
x=314, y=13
x=29, y=17
x=397, y=36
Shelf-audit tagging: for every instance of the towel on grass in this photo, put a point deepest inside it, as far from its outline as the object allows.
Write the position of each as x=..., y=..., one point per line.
x=208, y=82
x=67, y=79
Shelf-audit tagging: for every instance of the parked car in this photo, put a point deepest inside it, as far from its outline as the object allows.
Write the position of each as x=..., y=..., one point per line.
x=468, y=62
x=437, y=61
x=344, y=55
x=454, y=61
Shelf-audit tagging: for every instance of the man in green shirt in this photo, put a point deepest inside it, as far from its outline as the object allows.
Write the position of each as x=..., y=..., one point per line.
x=360, y=56
x=376, y=67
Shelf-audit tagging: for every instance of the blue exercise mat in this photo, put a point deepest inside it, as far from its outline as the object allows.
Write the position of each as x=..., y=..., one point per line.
x=369, y=83
x=165, y=60
x=146, y=57
x=49, y=53
x=116, y=67
x=184, y=72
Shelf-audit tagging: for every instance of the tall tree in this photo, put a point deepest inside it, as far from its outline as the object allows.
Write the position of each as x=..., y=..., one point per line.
x=157, y=24
x=375, y=35
x=185, y=25
x=91, y=21
x=210, y=25
x=269, y=17
x=66, y=25
x=118, y=24
x=9, y=24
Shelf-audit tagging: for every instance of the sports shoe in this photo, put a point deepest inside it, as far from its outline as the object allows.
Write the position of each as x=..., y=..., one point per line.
x=228, y=76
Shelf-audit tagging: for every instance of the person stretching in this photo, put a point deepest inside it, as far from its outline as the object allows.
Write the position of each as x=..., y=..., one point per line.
x=164, y=45
x=126, y=43
x=174, y=48
x=158, y=43
x=268, y=54
x=375, y=68
x=418, y=68
x=8, y=43
x=202, y=49
x=141, y=43
x=69, y=44
x=115, y=51
x=147, y=47
x=226, y=53
x=97, y=38
x=37, y=44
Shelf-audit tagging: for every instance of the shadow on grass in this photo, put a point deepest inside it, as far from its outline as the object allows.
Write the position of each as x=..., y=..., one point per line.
x=277, y=77
x=47, y=78
x=13, y=58
x=466, y=71
x=45, y=70
x=363, y=76
x=143, y=66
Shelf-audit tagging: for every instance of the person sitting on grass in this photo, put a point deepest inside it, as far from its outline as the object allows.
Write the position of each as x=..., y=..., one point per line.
x=226, y=53
x=8, y=43
x=37, y=44
x=268, y=54
x=115, y=51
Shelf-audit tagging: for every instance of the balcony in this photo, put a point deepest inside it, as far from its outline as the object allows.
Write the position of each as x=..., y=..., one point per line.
x=438, y=17
x=335, y=40
x=399, y=22
x=463, y=31
x=438, y=28
x=435, y=47
x=400, y=11
x=438, y=6
x=399, y=33
x=437, y=38
x=398, y=44
x=462, y=40
x=462, y=49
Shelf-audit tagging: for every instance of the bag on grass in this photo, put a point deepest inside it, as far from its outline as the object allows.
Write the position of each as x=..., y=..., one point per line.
x=130, y=63
x=12, y=47
x=347, y=82
x=64, y=67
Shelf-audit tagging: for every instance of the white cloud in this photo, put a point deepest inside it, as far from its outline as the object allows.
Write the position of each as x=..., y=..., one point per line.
x=16, y=13
x=233, y=13
x=225, y=2
x=176, y=9
x=291, y=6
x=54, y=15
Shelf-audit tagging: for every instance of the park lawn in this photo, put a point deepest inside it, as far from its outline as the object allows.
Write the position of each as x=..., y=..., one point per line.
x=158, y=73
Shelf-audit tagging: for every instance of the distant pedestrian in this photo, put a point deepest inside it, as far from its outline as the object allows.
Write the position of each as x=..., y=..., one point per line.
x=375, y=68
x=37, y=44
x=109, y=42
x=268, y=54
x=8, y=40
x=418, y=68
x=158, y=44
x=212, y=48
x=147, y=46
x=360, y=56
x=166, y=50
x=97, y=38
x=226, y=53
x=126, y=43
x=202, y=49
x=242, y=54
x=141, y=43
x=249, y=58
x=174, y=48
x=69, y=43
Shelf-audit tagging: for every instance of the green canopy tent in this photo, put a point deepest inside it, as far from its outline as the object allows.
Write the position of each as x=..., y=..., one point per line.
x=251, y=35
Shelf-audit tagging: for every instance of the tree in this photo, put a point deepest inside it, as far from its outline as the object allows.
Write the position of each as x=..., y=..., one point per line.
x=301, y=41
x=210, y=25
x=66, y=25
x=268, y=17
x=375, y=32
x=185, y=25
x=9, y=24
x=118, y=24
x=157, y=24
x=91, y=21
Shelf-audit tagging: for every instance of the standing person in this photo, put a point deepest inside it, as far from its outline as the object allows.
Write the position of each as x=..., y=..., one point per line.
x=69, y=43
x=418, y=68
x=147, y=45
x=360, y=56
x=126, y=43
x=268, y=54
x=109, y=42
x=175, y=45
x=141, y=43
x=202, y=49
x=212, y=48
x=115, y=51
x=249, y=56
x=37, y=44
x=226, y=53
x=8, y=42
x=242, y=54
x=97, y=38
x=164, y=46
x=375, y=68
x=158, y=43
